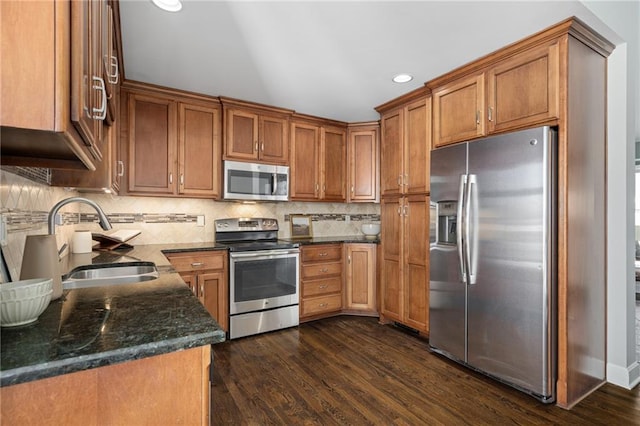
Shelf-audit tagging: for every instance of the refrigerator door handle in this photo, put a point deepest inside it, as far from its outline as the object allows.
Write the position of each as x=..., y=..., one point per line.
x=470, y=228
x=459, y=225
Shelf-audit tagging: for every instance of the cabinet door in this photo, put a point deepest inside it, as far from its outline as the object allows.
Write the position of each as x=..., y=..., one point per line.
x=392, y=127
x=458, y=111
x=361, y=277
x=241, y=135
x=274, y=140
x=416, y=262
x=213, y=293
x=87, y=86
x=417, y=147
x=305, y=151
x=364, y=170
x=524, y=90
x=152, y=144
x=334, y=164
x=199, y=150
x=392, y=303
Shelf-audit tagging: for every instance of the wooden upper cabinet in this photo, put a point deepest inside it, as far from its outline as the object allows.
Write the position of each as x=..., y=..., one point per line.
x=152, y=144
x=241, y=135
x=334, y=164
x=173, y=142
x=363, y=162
x=406, y=147
x=52, y=92
x=255, y=133
x=458, y=110
x=524, y=90
x=318, y=162
x=274, y=139
x=199, y=162
x=392, y=146
x=305, y=150
x=417, y=147
x=521, y=91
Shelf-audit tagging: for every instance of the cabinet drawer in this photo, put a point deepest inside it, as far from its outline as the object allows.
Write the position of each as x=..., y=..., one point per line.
x=318, y=305
x=320, y=287
x=197, y=262
x=322, y=253
x=321, y=270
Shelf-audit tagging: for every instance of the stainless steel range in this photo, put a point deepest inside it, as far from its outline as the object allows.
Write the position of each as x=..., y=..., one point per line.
x=264, y=281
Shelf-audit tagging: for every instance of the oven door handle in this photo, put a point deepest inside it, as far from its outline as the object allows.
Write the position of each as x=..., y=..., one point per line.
x=263, y=253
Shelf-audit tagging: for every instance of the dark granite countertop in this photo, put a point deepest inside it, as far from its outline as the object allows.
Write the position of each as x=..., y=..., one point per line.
x=336, y=239
x=93, y=327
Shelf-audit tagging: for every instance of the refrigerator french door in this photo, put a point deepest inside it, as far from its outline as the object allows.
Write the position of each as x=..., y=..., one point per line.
x=492, y=264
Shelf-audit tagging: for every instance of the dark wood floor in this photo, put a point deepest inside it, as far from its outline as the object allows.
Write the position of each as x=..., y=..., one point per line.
x=352, y=370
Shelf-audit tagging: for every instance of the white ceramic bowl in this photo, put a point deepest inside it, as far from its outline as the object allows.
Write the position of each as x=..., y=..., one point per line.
x=371, y=229
x=22, y=302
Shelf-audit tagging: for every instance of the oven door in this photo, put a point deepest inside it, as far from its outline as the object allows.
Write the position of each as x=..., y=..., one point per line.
x=263, y=279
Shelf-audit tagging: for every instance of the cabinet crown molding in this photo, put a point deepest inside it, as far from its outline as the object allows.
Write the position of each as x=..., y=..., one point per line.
x=571, y=26
x=420, y=92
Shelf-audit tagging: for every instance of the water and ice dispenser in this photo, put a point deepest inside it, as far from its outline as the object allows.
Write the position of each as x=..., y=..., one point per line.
x=447, y=225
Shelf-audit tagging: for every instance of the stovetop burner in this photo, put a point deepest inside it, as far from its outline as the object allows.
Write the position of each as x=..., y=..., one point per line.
x=250, y=234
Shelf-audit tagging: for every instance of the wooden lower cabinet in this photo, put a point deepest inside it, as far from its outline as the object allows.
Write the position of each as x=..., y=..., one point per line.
x=405, y=261
x=338, y=279
x=172, y=388
x=320, y=280
x=360, y=278
x=206, y=274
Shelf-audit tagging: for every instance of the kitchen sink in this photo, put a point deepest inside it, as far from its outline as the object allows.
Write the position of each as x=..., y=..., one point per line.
x=110, y=274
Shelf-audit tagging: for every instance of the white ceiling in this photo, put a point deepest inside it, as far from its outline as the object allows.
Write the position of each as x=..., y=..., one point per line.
x=329, y=59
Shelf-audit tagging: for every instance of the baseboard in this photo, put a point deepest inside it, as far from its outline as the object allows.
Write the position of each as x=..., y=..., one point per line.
x=627, y=378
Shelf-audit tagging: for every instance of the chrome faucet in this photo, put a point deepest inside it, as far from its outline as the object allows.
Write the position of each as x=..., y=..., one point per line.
x=104, y=222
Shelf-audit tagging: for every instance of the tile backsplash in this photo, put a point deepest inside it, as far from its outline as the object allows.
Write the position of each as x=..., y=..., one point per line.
x=25, y=205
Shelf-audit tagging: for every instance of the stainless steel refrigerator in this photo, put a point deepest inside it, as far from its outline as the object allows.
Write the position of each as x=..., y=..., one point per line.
x=492, y=301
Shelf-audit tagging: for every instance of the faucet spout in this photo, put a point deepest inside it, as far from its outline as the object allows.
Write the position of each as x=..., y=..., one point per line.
x=104, y=221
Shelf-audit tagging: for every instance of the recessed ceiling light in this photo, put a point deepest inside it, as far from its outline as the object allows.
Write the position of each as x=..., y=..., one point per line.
x=402, y=78
x=168, y=5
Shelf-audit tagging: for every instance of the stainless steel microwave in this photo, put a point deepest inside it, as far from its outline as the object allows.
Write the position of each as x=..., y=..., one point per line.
x=256, y=182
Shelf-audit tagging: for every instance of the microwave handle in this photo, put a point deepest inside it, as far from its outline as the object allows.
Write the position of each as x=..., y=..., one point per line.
x=274, y=189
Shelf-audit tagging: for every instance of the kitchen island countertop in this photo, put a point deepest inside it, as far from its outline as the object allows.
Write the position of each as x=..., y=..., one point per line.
x=93, y=327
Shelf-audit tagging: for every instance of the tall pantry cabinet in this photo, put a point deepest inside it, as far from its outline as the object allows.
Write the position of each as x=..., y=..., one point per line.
x=405, y=163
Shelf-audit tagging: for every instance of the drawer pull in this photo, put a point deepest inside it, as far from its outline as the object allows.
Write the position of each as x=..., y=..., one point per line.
x=196, y=264
x=323, y=254
x=323, y=305
x=323, y=286
x=324, y=270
